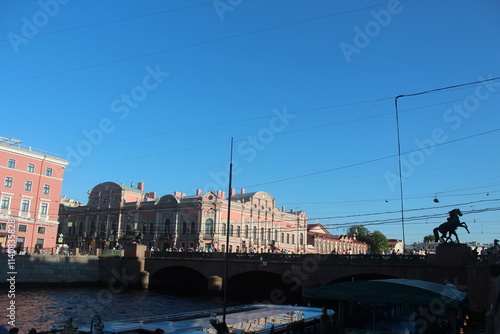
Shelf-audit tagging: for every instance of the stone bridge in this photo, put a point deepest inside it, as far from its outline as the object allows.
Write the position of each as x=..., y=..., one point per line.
x=281, y=278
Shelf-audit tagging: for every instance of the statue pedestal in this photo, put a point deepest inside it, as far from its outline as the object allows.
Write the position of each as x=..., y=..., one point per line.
x=452, y=254
x=134, y=250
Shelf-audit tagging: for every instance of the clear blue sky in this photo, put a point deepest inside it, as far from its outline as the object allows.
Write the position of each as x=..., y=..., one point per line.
x=154, y=91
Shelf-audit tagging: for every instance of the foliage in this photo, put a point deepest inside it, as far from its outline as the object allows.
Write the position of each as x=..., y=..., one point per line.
x=360, y=231
x=429, y=238
x=377, y=241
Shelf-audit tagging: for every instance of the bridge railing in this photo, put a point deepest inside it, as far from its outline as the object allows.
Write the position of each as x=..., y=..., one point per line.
x=274, y=257
x=187, y=255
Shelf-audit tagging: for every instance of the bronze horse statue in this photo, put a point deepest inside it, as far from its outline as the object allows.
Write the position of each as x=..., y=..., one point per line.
x=449, y=228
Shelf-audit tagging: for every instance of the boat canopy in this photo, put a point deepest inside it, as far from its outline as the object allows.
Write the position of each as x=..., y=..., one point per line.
x=396, y=291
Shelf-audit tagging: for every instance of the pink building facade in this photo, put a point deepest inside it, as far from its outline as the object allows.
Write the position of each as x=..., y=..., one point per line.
x=322, y=242
x=29, y=194
x=179, y=222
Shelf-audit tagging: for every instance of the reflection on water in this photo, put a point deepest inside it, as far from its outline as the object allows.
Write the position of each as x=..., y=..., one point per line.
x=41, y=308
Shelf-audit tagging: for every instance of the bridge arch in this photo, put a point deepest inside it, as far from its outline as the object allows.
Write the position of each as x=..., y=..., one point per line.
x=179, y=279
x=263, y=287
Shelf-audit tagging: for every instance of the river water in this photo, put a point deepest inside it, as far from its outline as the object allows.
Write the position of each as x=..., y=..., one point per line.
x=41, y=308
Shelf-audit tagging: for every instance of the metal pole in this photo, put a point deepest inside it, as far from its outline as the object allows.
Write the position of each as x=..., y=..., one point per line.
x=400, y=173
x=227, y=233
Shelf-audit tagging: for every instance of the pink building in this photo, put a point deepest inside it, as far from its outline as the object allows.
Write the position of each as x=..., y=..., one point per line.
x=322, y=242
x=30, y=193
x=178, y=221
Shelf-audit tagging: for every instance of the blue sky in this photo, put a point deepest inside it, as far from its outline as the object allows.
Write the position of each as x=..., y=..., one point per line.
x=154, y=91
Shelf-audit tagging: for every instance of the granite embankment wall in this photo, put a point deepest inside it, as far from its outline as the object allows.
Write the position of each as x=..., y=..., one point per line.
x=56, y=269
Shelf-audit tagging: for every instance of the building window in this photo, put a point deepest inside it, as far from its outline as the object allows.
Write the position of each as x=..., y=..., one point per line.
x=223, y=232
x=44, y=208
x=27, y=185
x=301, y=239
x=3, y=226
x=193, y=227
x=5, y=203
x=31, y=168
x=254, y=232
x=231, y=230
x=209, y=226
x=8, y=182
x=184, y=227
x=293, y=239
x=287, y=238
x=238, y=231
x=41, y=230
x=167, y=225
x=261, y=233
x=48, y=171
x=151, y=228
x=282, y=237
x=245, y=235
x=22, y=228
x=12, y=163
x=25, y=205
x=46, y=189
x=39, y=243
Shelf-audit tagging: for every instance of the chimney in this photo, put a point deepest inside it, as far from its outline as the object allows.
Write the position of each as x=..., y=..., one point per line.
x=242, y=191
x=140, y=186
x=198, y=192
x=233, y=191
x=177, y=194
x=283, y=209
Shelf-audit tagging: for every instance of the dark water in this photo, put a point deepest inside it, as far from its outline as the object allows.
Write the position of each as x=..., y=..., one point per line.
x=41, y=308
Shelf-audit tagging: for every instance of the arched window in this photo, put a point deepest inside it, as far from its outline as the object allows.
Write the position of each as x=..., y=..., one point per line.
x=167, y=225
x=293, y=239
x=283, y=237
x=193, y=227
x=301, y=239
x=238, y=231
x=209, y=226
x=261, y=233
x=245, y=233
x=288, y=238
x=223, y=232
x=276, y=235
x=184, y=227
x=231, y=230
x=268, y=234
x=254, y=232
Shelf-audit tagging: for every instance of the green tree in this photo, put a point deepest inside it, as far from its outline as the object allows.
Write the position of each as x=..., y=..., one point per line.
x=360, y=231
x=429, y=238
x=378, y=243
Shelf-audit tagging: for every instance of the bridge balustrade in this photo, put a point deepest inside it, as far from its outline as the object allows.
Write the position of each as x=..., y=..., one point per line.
x=278, y=257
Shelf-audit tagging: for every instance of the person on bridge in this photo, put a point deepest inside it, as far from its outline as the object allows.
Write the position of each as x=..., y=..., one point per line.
x=493, y=314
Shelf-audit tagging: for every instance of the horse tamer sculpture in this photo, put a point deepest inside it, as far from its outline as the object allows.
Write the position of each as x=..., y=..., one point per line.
x=449, y=228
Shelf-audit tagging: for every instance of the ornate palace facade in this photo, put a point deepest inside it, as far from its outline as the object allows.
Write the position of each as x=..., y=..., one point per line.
x=199, y=222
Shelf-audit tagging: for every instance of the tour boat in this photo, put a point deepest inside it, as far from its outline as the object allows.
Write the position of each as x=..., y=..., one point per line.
x=253, y=318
